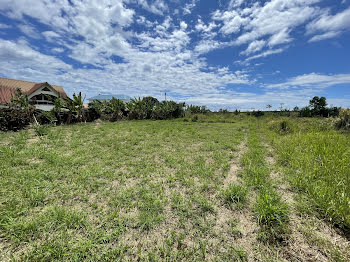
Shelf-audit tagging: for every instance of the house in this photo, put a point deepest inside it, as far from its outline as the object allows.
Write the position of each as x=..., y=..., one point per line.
x=40, y=94
x=102, y=98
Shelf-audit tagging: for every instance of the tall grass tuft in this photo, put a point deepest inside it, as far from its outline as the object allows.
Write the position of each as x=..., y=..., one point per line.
x=235, y=194
x=272, y=215
x=318, y=164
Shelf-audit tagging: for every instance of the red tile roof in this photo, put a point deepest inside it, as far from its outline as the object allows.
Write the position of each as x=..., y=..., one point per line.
x=9, y=86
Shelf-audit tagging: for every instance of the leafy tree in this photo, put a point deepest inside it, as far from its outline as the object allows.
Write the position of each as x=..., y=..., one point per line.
x=318, y=105
x=20, y=99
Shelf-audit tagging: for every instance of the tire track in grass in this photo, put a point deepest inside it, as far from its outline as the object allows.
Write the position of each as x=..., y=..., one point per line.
x=318, y=243
x=233, y=221
x=270, y=212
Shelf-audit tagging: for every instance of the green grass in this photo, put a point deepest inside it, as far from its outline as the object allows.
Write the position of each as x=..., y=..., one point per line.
x=271, y=212
x=235, y=194
x=255, y=172
x=115, y=190
x=156, y=190
x=317, y=163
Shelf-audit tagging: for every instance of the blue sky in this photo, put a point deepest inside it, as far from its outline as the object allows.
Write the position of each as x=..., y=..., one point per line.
x=231, y=54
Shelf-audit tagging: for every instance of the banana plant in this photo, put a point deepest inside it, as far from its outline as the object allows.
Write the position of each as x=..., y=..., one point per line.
x=78, y=102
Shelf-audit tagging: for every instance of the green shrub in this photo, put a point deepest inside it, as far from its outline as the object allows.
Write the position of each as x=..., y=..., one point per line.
x=318, y=164
x=194, y=118
x=285, y=127
x=282, y=127
x=14, y=119
x=193, y=109
x=344, y=121
x=45, y=117
x=258, y=113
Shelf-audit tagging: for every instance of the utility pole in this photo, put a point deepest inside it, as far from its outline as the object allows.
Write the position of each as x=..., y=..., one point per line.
x=165, y=96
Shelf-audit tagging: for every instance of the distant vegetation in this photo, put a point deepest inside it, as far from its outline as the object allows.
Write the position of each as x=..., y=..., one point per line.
x=20, y=113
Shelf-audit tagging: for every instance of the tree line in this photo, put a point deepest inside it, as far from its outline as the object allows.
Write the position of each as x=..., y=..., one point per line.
x=20, y=112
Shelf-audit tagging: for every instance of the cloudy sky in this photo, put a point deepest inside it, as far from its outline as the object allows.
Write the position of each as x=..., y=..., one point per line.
x=222, y=53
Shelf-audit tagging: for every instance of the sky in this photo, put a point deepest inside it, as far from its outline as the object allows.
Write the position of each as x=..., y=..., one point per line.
x=233, y=54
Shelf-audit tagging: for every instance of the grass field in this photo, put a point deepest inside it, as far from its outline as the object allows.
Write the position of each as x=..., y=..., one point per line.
x=224, y=188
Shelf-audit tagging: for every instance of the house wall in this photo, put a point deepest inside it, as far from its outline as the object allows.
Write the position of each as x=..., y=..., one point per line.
x=45, y=107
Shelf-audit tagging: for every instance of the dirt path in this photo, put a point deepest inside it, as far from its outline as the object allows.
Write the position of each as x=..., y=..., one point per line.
x=239, y=225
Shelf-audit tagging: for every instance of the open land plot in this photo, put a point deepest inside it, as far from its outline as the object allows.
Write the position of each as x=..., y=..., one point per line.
x=174, y=190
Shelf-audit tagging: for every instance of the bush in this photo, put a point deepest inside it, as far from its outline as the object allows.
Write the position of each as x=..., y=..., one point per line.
x=92, y=113
x=44, y=117
x=14, y=119
x=194, y=118
x=285, y=127
x=344, y=121
x=305, y=112
x=167, y=110
x=258, y=113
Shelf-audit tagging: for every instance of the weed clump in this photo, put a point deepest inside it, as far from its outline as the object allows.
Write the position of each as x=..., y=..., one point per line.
x=282, y=127
x=344, y=121
x=41, y=130
x=272, y=214
x=235, y=194
x=194, y=118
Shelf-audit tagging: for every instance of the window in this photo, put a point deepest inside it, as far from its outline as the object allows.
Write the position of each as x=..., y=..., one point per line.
x=42, y=99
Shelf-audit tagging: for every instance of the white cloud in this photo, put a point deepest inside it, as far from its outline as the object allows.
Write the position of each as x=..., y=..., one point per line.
x=57, y=50
x=157, y=7
x=254, y=47
x=313, y=80
x=29, y=31
x=3, y=26
x=200, y=26
x=328, y=26
x=275, y=16
x=14, y=53
x=324, y=36
x=206, y=46
x=232, y=21
x=235, y=3
x=281, y=37
x=266, y=53
x=188, y=7
x=50, y=35
x=183, y=25
x=273, y=22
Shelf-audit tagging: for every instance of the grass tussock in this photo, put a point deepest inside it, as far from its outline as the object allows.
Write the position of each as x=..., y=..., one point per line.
x=235, y=194
x=272, y=215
